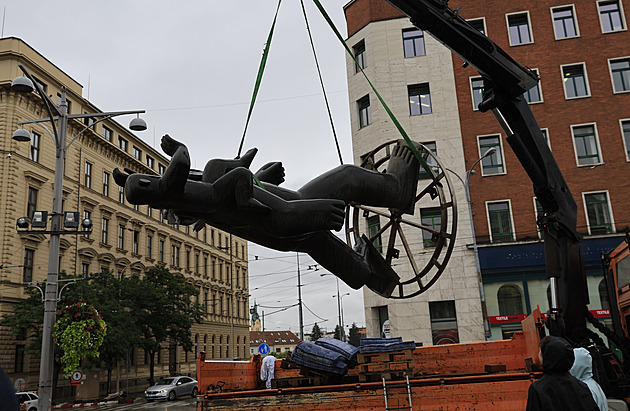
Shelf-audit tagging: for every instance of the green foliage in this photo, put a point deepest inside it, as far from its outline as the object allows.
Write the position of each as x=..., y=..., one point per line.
x=80, y=332
x=316, y=333
x=354, y=338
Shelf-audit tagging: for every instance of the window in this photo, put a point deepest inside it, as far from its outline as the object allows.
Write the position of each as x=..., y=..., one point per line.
x=413, y=42
x=545, y=135
x=27, y=270
x=136, y=242
x=107, y=134
x=88, y=174
x=443, y=322
x=85, y=269
x=620, y=72
x=510, y=300
x=419, y=99
x=564, y=22
x=175, y=255
x=149, y=246
x=611, y=16
x=476, y=87
x=104, y=230
x=161, y=169
x=188, y=259
x=431, y=218
x=364, y=111
x=121, y=236
x=31, y=204
x=373, y=227
x=359, y=56
x=137, y=153
x=625, y=132
x=149, y=161
x=575, y=82
x=518, y=26
x=478, y=24
x=19, y=361
x=35, y=146
x=586, y=145
x=432, y=147
x=161, y=251
x=122, y=143
x=598, y=213
x=500, y=221
x=121, y=194
x=533, y=95
x=492, y=164
x=105, y=184
x=538, y=210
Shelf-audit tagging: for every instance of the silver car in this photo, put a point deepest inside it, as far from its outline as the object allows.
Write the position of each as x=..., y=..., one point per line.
x=170, y=388
x=29, y=399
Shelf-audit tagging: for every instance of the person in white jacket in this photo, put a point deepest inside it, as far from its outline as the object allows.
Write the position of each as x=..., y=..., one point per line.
x=582, y=369
x=266, y=370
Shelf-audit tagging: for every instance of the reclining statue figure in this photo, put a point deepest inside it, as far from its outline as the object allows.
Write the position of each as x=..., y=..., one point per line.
x=226, y=196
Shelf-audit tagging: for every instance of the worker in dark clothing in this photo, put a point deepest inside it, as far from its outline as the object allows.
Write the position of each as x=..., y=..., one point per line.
x=557, y=389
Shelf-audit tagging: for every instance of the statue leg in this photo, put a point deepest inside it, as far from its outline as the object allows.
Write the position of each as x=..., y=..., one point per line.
x=365, y=267
x=395, y=188
x=216, y=168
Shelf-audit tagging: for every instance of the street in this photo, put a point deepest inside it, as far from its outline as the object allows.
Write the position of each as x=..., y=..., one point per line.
x=185, y=404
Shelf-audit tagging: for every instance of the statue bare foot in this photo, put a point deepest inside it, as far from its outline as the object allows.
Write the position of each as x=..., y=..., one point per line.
x=272, y=173
x=169, y=144
x=383, y=279
x=405, y=166
x=306, y=216
x=246, y=159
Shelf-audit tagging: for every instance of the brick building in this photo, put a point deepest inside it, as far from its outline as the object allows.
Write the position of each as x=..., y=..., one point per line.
x=581, y=52
x=126, y=239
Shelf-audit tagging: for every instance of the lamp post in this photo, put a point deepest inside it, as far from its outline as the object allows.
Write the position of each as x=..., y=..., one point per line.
x=57, y=113
x=341, y=333
x=482, y=294
x=343, y=325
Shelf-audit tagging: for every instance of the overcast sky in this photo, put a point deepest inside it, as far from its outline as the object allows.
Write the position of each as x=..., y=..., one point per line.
x=192, y=66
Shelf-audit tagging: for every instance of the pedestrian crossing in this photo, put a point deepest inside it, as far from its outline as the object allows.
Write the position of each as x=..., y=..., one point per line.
x=184, y=404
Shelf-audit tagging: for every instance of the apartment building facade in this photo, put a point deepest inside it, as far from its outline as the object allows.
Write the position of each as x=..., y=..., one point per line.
x=580, y=51
x=126, y=239
x=414, y=75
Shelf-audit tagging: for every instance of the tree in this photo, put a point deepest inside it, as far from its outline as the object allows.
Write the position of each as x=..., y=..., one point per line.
x=316, y=333
x=161, y=307
x=354, y=338
x=338, y=333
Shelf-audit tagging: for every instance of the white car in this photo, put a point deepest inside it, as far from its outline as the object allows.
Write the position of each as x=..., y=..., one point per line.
x=29, y=398
x=170, y=388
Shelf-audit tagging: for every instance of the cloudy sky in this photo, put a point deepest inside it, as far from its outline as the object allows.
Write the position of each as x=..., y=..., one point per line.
x=192, y=66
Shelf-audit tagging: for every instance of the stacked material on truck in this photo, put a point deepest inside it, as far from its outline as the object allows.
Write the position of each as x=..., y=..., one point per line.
x=349, y=352
x=374, y=345
x=327, y=356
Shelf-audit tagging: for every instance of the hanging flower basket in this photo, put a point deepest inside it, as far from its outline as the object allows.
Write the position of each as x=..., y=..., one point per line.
x=79, y=331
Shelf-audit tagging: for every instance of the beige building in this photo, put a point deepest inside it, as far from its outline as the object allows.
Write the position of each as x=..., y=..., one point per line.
x=278, y=341
x=414, y=74
x=125, y=239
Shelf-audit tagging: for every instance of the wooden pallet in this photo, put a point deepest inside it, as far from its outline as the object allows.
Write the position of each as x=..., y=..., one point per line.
x=302, y=381
x=389, y=365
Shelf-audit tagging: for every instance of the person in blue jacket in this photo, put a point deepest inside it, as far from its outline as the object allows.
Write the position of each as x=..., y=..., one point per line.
x=582, y=369
x=557, y=389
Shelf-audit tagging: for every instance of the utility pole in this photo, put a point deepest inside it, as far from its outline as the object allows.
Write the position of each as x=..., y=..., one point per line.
x=300, y=298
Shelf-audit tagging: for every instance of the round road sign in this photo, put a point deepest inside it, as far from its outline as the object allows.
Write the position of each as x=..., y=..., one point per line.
x=19, y=384
x=77, y=376
x=263, y=349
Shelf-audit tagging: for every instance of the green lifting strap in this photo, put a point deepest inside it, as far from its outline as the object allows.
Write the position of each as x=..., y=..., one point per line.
x=261, y=70
x=413, y=148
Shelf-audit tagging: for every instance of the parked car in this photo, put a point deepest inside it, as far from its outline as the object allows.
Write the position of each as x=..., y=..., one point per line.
x=170, y=388
x=29, y=399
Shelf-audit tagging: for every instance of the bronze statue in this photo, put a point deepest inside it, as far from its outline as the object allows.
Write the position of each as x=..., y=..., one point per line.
x=226, y=196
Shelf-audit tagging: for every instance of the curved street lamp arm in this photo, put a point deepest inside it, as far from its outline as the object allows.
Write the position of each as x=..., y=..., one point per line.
x=47, y=101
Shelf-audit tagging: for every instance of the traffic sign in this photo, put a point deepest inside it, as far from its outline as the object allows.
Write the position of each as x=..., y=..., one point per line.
x=263, y=349
x=76, y=378
x=19, y=384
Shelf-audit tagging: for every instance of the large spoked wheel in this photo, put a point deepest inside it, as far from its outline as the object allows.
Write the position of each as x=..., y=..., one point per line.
x=417, y=246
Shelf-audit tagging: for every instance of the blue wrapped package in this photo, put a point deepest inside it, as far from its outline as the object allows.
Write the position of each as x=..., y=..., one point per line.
x=348, y=351
x=311, y=355
x=376, y=345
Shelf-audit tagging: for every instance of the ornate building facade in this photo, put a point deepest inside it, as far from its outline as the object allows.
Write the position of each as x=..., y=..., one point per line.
x=126, y=239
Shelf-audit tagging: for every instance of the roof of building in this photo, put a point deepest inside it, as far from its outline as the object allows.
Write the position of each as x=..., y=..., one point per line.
x=273, y=337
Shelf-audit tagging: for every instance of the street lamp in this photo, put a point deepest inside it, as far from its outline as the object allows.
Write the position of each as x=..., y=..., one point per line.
x=343, y=330
x=482, y=294
x=341, y=333
x=58, y=117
